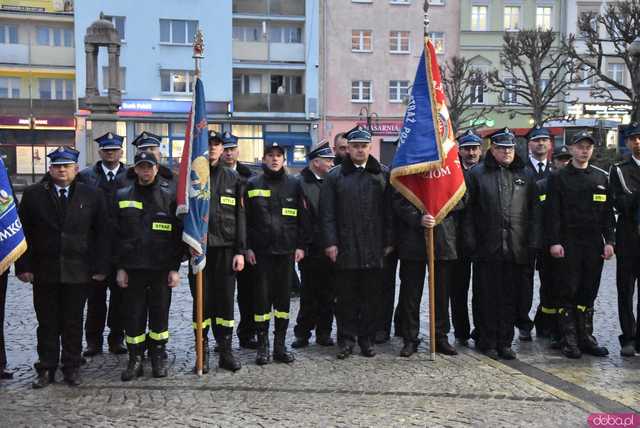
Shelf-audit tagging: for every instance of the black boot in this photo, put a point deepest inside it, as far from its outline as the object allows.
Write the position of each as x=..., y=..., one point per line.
x=262, y=354
x=227, y=361
x=72, y=376
x=410, y=347
x=567, y=324
x=587, y=343
x=116, y=345
x=158, y=363
x=280, y=352
x=134, y=367
x=93, y=348
x=45, y=378
x=444, y=347
x=248, y=342
x=554, y=332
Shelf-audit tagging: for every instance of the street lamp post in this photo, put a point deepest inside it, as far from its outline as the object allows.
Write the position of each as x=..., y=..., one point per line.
x=634, y=52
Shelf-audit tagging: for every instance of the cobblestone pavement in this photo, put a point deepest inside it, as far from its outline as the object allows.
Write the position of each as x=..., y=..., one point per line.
x=542, y=389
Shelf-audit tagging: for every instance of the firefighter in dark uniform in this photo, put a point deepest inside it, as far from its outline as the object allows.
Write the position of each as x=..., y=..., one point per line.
x=103, y=175
x=226, y=246
x=497, y=231
x=625, y=191
x=68, y=247
x=469, y=149
x=277, y=238
x=538, y=167
x=579, y=229
x=150, y=143
x=412, y=249
x=246, y=330
x=318, y=276
x=546, y=318
x=148, y=251
x=357, y=229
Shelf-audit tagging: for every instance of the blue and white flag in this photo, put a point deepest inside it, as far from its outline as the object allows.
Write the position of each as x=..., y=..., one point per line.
x=12, y=241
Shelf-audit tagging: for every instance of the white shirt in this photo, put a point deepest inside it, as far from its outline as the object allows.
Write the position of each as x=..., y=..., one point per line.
x=58, y=188
x=535, y=162
x=637, y=161
x=107, y=170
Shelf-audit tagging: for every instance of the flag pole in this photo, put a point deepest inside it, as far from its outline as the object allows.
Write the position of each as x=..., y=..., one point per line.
x=429, y=239
x=198, y=50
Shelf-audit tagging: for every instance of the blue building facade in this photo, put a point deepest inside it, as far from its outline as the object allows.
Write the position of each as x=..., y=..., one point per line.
x=260, y=70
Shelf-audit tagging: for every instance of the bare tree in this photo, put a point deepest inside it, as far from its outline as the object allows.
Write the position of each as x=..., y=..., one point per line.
x=537, y=74
x=460, y=80
x=607, y=36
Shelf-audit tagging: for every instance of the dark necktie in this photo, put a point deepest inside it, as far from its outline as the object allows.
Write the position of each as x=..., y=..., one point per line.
x=63, y=200
x=110, y=176
x=540, y=168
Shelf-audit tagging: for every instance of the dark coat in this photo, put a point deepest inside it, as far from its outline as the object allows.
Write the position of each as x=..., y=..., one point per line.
x=579, y=207
x=493, y=231
x=356, y=214
x=410, y=239
x=227, y=221
x=532, y=170
x=64, y=248
x=94, y=177
x=277, y=218
x=130, y=177
x=148, y=235
x=311, y=188
x=624, y=180
x=244, y=172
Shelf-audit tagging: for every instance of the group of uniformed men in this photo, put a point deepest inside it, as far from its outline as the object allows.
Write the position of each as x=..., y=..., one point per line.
x=114, y=227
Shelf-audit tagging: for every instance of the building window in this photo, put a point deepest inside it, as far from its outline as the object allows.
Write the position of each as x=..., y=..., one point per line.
x=400, y=1
x=437, y=38
x=250, y=142
x=436, y=2
x=479, y=18
x=285, y=34
x=399, y=42
x=176, y=82
x=361, y=41
x=511, y=18
x=398, y=90
x=9, y=87
x=587, y=77
x=8, y=34
x=247, y=33
x=286, y=85
x=361, y=91
x=247, y=84
x=543, y=17
x=509, y=95
x=123, y=78
x=47, y=36
x=299, y=154
x=118, y=22
x=56, y=89
x=616, y=72
x=177, y=31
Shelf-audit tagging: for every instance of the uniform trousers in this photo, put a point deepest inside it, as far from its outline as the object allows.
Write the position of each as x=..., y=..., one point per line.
x=627, y=278
x=218, y=292
x=459, y=292
x=386, y=302
x=272, y=290
x=147, y=297
x=59, y=309
x=97, y=312
x=357, y=294
x=580, y=270
x=317, y=298
x=547, y=309
x=524, y=296
x=246, y=279
x=3, y=296
x=497, y=281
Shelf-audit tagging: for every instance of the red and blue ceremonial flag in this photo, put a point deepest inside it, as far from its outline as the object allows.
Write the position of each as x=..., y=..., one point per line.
x=426, y=168
x=193, y=179
x=12, y=240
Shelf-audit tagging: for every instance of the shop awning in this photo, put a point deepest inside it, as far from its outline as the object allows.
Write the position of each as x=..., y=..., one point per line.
x=288, y=138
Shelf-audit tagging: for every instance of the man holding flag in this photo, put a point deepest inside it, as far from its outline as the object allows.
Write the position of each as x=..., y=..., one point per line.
x=426, y=169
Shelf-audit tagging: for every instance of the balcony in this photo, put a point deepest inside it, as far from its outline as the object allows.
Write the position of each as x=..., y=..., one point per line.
x=265, y=52
x=268, y=103
x=269, y=7
x=15, y=54
x=21, y=107
x=40, y=55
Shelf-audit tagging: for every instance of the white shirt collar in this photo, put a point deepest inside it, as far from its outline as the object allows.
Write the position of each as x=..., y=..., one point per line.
x=637, y=161
x=106, y=170
x=58, y=188
x=535, y=162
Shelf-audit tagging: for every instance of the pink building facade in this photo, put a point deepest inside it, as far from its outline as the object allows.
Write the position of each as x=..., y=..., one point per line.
x=369, y=51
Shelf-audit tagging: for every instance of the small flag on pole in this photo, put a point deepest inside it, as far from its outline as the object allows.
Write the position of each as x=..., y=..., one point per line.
x=193, y=179
x=12, y=241
x=426, y=168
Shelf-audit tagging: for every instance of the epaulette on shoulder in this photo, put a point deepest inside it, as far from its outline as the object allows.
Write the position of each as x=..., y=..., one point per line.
x=599, y=169
x=622, y=162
